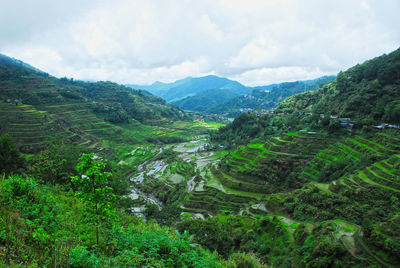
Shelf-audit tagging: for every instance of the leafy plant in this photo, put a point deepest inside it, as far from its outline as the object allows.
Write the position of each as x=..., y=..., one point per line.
x=92, y=188
x=10, y=159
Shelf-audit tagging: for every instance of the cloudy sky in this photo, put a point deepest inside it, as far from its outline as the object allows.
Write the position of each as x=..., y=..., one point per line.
x=256, y=42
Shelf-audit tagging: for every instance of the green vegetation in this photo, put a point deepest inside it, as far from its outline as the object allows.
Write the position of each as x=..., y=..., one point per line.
x=341, y=178
x=94, y=115
x=367, y=93
x=293, y=188
x=41, y=226
x=202, y=101
x=56, y=163
x=10, y=160
x=265, y=97
x=270, y=240
x=92, y=188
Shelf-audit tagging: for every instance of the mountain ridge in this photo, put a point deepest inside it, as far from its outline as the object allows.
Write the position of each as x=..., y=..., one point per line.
x=367, y=92
x=190, y=86
x=206, y=94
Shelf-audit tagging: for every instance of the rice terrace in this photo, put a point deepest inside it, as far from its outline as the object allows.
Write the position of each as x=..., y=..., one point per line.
x=200, y=134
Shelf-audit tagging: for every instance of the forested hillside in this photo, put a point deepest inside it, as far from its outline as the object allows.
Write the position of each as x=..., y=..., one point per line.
x=265, y=97
x=324, y=159
x=367, y=93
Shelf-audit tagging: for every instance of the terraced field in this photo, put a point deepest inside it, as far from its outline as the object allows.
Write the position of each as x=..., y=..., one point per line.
x=370, y=167
x=29, y=127
x=250, y=173
x=383, y=174
x=235, y=176
x=212, y=202
x=252, y=168
x=246, y=181
x=78, y=118
x=355, y=151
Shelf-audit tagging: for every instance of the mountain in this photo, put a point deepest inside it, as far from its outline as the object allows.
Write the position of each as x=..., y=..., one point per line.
x=189, y=86
x=265, y=97
x=368, y=93
x=217, y=95
x=202, y=101
x=11, y=61
x=320, y=164
x=35, y=106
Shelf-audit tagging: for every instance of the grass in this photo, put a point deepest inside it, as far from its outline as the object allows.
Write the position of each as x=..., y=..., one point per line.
x=219, y=154
x=295, y=134
x=366, y=179
x=237, y=156
x=363, y=145
x=381, y=166
x=260, y=147
x=324, y=187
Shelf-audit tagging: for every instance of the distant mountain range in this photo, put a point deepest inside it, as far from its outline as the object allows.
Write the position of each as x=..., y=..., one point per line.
x=187, y=87
x=218, y=95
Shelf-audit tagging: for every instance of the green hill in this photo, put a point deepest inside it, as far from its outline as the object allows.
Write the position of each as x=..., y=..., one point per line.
x=267, y=97
x=35, y=106
x=201, y=102
x=190, y=86
x=218, y=95
x=367, y=93
x=306, y=164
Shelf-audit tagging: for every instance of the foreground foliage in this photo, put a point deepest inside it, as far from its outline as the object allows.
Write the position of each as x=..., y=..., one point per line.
x=40, y=225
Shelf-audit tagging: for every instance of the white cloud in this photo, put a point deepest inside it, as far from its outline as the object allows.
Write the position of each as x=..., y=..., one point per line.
x=255, y=41
x=258, y=52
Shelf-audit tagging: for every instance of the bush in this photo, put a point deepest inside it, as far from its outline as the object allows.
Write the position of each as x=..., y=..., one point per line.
x=81, y=257
x=241, y=260
x=10, y=159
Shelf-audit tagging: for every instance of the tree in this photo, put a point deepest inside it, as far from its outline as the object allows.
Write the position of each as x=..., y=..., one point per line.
x=92, y=188
x=56, y=164
x=10, y=159
x=342, y=82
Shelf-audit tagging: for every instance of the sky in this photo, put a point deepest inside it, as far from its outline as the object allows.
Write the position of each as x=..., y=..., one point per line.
x=256, y=42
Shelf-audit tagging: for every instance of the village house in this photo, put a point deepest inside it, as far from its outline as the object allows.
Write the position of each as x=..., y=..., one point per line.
x=386, y=125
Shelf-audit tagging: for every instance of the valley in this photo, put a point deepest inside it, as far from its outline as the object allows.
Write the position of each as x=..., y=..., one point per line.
x=312, y=183
x=257, y=179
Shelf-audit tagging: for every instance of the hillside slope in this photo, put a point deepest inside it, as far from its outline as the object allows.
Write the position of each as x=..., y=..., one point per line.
x=266, y=97
x=35, y=106
x=368, y=93
x=49, y=228
x=333, y=178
